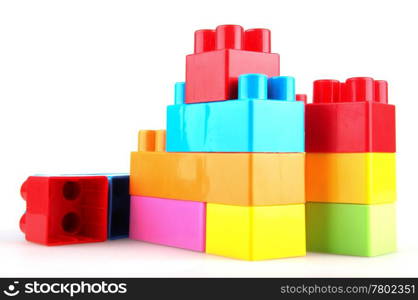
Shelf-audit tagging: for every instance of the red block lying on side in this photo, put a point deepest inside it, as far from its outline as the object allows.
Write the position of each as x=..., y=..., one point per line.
x=65, y=209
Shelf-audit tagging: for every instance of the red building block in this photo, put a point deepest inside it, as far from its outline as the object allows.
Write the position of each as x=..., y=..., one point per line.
x=65, y=210
x=221, y=55
x=351, y=116
x=302, y=97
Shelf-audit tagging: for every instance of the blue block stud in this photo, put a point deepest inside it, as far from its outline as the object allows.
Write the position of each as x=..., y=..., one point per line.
x=252, y=86
x=179, y=92
x=265, y=118
x=281, y=88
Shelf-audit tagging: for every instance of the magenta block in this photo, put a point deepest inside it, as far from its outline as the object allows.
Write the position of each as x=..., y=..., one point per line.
x=168, y=222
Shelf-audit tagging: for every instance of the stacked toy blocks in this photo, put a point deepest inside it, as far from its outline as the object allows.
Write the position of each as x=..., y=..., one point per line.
x=230, y=179
x=74, y=209
x=350, y=168
x=159, y=214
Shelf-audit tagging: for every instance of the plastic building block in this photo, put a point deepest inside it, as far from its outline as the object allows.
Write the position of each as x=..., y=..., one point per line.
x=351, y=229
x=168, y=222
x=362, y=178
x=119, y=202
x=350, y=117
x=221, y=56
x=235, y=178
x=265, y=118
x=228, y=178
x=65, y=209
x=256, y=232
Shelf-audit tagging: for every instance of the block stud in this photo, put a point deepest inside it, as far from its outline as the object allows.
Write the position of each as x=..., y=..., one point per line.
x=342, y=93
x=160, y=140
x=24, y=194
x=179, y=92
x=257, y=39
x=146, y=140
x=281, y=88
x=381, y=91
x=22, y=223
x=204, y=40
x=359, y=89
x=252, y=86
x=326, y=91
x=229, y=37
x=302, y=97
x=24, y=190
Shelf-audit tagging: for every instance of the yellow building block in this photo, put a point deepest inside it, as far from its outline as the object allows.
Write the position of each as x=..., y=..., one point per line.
x=255, y=232
x=227, y=178
x=358, y=178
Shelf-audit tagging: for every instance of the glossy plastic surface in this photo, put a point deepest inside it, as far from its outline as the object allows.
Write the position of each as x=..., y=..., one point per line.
x=256, y=233
x=351, y=229
x=65, y=209
x=257, y=39
x=204, y=40
x=229, y=37
x=222, y=55
x=252, y=86
x=362, y=178
x=281, y=88
x=232, y=37
x=249, y=124
x=350, y=117
x=230, y=178
x=168, y=222
x=179, y=92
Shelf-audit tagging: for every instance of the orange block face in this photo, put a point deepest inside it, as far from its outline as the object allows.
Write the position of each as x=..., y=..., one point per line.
x=167, y=175
x=357, y=178
x=245, y=179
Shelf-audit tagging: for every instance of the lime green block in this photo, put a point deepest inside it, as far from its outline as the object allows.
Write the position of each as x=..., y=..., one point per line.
x=351, y=229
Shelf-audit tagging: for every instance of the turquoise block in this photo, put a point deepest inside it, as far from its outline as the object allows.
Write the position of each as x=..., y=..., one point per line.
x=265, y=118
x=236, y=126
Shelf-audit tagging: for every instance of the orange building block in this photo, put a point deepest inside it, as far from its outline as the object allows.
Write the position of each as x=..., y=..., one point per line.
x=356, y=178
x=246, y=179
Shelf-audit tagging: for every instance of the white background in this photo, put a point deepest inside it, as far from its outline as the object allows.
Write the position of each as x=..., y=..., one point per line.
x=78, y=79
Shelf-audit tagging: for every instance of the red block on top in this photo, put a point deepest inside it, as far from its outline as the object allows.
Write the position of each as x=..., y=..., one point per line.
x=221, y=55
x=65, y=210
x=351, y=116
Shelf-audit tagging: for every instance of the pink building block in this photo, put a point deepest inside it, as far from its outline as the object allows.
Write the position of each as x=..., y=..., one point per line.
x=168, y=222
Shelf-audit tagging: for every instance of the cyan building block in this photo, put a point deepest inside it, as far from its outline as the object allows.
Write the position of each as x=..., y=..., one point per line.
x=265, y=118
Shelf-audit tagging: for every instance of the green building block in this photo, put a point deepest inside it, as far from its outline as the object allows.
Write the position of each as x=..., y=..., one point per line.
x=351, y=229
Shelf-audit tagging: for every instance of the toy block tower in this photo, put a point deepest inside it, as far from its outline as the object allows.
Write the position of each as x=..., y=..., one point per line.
x=350, y=168
x=227, y=177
